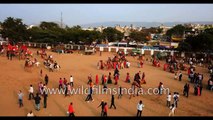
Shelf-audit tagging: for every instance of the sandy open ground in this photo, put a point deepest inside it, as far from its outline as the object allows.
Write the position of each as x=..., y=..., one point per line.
x=13, y=78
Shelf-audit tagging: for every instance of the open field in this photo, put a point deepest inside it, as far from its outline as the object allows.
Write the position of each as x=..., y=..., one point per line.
x=13, y=78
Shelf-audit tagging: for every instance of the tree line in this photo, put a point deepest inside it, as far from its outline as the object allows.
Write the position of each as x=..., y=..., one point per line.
x=50, y=32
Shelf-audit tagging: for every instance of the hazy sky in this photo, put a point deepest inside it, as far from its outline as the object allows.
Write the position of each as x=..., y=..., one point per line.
x=74, y=14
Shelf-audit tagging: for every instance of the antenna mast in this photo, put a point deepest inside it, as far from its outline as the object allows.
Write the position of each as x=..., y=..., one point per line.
x=61, y=20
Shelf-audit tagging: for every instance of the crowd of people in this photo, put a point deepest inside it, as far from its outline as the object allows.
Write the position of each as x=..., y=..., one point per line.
x=118, y=63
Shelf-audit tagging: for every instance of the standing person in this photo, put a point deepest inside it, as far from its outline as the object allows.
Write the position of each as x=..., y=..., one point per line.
x=180, y=76
x=140, y=108
x=60, y=83
x=172, y=110
x=120, y=92
x=102, y=79
x=127, y=78
x=45, y=99
x=64, y=83
x=46, y=78
x=69, y=88
x=105, y=109
x=37, y=102
x=175, y=76
x=116, y=79
x=31, y=92
x=160, y=88
x=109, y=81
x=20, y=98
x=71, y=81
x=187, y=92
x=198, y=90
x=102, y=107
x=96, y=79
x=169, y=100
x=71, y=110
x=112, y=102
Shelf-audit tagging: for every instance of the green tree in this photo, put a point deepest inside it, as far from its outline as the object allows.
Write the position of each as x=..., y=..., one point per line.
x=177, y=30
x=138, y=36
x=13, y=28
x=48, y=25
x=112, y=34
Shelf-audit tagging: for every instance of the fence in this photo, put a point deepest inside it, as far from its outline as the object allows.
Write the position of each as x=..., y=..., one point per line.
x=103, y=49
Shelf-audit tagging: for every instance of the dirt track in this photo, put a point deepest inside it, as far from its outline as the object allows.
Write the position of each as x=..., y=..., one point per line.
x=14, y=78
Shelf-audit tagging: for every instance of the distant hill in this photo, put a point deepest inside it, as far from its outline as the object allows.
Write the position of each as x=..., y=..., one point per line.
x=138, y=24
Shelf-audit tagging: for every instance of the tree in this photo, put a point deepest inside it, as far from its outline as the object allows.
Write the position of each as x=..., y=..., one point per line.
x=138, y=36
x=14, y=29
x=48, y=25
x=112, y=34
x=184, y=47
x=177, y=30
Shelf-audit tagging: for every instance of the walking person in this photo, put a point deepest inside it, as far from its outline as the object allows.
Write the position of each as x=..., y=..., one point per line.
x=31, y=92
x=180, y=76
x=96, y=79
x=71, y=110
x=168, y=100
x=20, y=98
x=66, y=90
x=46, y=79
x=37, y=102
x=120, y=92
x=71, y=81
x=112, y=102
x=105, y=109
x=89, y=96
x=30, y=114
x=176, y=98
x=172, y=110
x=102, y=107
x=140, y=108
x=45, y=99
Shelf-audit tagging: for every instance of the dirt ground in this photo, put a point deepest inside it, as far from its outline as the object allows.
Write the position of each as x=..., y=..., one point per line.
x=13, y=77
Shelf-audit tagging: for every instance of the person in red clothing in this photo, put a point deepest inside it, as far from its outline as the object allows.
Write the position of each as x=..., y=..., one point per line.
x=127, y=78
x=141, y=63
x=64, y=82
x=71, y=110
x=165, y=67
x=198, y=90
x=116, y=79
x=105, y=109
x=96, y=79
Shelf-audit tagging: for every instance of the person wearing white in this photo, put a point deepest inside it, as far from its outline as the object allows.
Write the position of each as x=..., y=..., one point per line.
x=169, y=100
x=172, y=110
x=128, y=64
x=31, y=92
x=140, y=108
x=30, y=114
x=71, y=81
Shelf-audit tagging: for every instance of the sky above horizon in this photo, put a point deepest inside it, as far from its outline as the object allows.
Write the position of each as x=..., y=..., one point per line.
x=78, y=14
